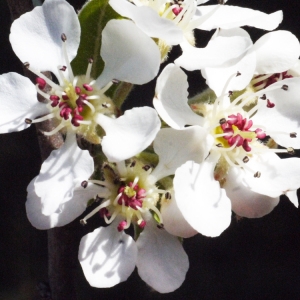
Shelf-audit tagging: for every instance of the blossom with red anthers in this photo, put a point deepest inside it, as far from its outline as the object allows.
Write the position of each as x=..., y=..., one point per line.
x=133, y=200
x=240, y=135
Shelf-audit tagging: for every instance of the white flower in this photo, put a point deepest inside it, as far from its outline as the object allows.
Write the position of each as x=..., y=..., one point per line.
x=274, y=52
x=240, y=162
x=131, y=198
x=47, y=38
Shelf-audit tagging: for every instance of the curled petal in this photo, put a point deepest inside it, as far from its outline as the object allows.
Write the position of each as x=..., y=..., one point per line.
x=129, y=56
x=292, y=195
x=129, y=134
x=170, y=99
x=59, y=174
x=227, y=17
x=107, y=257
x=36, y=36
x=200, y=199
x=18, y=101
x=162, y=263
x=234, y=44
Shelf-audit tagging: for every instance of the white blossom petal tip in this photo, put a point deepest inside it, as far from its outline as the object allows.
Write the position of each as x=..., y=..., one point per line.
x=162, y=262
x=107, y=256
x=59, y=174
x=130, y=56
x=129, y=134
x=36, y=36
x=200, y=199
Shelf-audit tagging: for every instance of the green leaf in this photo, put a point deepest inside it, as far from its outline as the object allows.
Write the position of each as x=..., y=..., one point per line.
x=93, y=17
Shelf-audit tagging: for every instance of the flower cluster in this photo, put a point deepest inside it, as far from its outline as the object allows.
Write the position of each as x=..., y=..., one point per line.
x=167, y=172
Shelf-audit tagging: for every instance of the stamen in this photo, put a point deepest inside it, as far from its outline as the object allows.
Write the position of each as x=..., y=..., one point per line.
x=91, y=106
x=293, y=134
x=57, y=129
x=28, y=121
x=285, y=87
x=89, y=69
x=84, y=184
x=44, y=118
x=71, y=75
x=257, y=174
x=245, y=159
x=94, y=211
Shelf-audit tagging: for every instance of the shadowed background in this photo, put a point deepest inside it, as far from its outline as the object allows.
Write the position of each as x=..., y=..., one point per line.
x=252, y=259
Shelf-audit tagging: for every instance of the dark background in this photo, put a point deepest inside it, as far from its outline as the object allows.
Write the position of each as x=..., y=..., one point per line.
x=252, y=259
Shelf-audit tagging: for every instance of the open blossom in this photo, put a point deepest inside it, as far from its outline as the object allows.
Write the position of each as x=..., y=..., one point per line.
x=240, y=162
x=173, y=22
x=131, y=196
x=46, y=41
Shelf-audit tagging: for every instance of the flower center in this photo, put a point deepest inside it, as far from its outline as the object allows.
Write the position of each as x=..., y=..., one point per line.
x=235, y=132
x=132, y=194
x=75, y=102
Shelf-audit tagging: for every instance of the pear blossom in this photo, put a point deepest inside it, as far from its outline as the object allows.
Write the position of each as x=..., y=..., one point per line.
x=275, y=52
x=76, y=102
x=173, y=22
x=133, y=198
x=241, y=164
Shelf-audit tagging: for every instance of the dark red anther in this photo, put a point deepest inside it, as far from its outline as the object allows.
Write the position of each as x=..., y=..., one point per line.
x=55, y=100
x=87, y=87
x=63, y=68
x=40, y=82
x=246, y=146
x=65, y=97
x=176, y=10
x=75, y=120
x=104, y=212
x=65, y=112
x=121, y=226
x=260, y=134
x=270, y=104
x=77, y=90
x=142, y=224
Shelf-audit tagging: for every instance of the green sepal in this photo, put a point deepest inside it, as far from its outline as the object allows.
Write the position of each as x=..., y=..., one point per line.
x=92, y=17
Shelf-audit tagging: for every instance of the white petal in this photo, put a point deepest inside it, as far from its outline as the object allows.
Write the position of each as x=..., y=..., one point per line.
x=222, y=51
x=162, y=263
x=129, y=56
x=129, y=134
x=18, y=101
x=59, y=174
x=170, y=99
x=36, y=35
x=245, y=202
x=107, y=256
x=174, y=222
x=216, y=78
x=276, y=52
x=66, y=213
x=175, y=147
x=283, y=118
x=227, y=17
x=149, y=21
x=292, y=195
x=277, y=176
x=200, y=199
